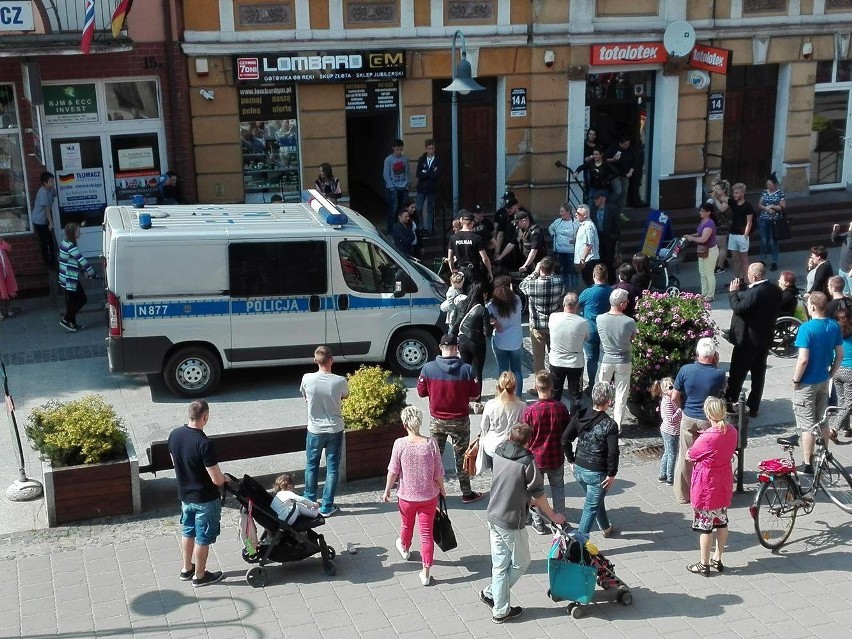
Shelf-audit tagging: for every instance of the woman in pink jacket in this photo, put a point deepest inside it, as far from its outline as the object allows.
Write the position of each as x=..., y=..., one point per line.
x=712, y=485
x=8, y=284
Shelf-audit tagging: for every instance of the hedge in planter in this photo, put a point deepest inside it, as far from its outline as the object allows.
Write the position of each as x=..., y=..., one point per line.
x=371, y=413
x=668, y=328
x=90, y=467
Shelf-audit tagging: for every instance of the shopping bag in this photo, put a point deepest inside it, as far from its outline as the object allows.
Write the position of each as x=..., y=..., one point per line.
x=470, y=455
x=442, y=529
x=568, y=580
x=782, y=228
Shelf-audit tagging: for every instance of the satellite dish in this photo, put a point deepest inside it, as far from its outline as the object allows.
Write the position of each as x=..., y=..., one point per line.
x=679, y=39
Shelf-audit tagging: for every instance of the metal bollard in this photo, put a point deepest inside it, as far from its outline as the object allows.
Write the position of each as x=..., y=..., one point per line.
x=742, y=439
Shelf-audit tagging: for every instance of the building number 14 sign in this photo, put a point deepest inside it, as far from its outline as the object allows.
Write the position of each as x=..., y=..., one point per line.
x=519, y=103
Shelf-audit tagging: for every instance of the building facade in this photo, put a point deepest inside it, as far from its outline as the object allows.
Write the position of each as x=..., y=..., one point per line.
x=777, y=97
x=107, y=124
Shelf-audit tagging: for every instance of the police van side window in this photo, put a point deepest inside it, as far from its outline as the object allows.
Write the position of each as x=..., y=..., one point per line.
x=366, y=267
x=267, y=269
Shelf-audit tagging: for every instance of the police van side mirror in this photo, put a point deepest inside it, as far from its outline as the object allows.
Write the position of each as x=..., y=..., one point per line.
x=403, y=284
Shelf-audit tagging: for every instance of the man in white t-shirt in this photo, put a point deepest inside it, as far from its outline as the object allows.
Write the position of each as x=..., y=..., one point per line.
x=568, y=332
x=323, y=391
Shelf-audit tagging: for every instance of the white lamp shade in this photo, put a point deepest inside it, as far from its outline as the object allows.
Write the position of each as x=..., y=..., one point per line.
x=464, y=86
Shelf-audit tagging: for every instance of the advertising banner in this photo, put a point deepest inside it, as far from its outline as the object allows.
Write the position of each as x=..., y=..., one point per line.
x=69, y=103
x=628, y=53
x=340, y=66
x=81, y=191
x=710, y=59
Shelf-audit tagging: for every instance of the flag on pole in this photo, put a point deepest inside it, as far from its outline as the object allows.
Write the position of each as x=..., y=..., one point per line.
x=119, y=17
x=88, y=26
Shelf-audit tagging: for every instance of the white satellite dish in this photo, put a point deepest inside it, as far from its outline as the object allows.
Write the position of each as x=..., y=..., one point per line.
x=679, y=39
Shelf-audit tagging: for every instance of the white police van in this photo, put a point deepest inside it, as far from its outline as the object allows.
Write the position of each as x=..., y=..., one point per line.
x=205, y=288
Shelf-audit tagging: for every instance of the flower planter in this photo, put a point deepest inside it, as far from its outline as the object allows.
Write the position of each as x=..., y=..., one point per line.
x=73, y=493
x=367, y=452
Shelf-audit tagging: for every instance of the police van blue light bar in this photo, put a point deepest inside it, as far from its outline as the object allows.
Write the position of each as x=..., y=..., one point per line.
x=333, y=217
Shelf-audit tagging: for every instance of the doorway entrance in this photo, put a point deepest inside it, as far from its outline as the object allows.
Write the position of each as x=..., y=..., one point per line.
x=622, y=105
x=749, y=131
x=477, y=152
x=372, y=124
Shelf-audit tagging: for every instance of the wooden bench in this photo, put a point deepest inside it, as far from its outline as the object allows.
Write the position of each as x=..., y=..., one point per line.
x=233, y=446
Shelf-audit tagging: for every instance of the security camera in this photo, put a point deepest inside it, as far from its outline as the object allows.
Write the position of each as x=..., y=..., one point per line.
x=807, y=50
x=207, y=94
x=549, y=58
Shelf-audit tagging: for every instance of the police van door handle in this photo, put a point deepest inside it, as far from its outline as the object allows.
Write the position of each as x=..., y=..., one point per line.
x=343, y=302
x=314, y=303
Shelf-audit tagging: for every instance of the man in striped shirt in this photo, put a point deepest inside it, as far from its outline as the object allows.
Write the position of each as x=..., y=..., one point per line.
x=544, y=290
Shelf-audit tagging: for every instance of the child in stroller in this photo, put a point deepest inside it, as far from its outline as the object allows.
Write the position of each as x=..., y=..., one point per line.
x=288, y=505
x=281, y=541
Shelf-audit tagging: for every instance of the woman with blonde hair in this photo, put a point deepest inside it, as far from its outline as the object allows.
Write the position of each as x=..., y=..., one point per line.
x=416, y=462
x=712, y=485
x=501, y=412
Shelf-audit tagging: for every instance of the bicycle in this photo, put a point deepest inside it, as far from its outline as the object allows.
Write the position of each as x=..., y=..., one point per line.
x=781, y=494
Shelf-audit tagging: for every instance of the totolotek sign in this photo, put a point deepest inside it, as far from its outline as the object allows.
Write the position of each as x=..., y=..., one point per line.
x=710, y=59
x=322, y=67
x=630, y=53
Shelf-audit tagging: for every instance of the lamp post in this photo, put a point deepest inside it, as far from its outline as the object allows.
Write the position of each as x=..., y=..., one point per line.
x=463, y=83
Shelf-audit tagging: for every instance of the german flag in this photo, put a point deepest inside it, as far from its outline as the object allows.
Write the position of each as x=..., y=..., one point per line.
x=66, y=179
x=119, y=17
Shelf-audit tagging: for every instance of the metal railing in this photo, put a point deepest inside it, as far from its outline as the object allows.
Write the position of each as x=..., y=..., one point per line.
x=67, y=16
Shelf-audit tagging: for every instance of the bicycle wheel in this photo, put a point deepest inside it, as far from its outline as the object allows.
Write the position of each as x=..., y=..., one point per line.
x=774, y=513
x=836, y=483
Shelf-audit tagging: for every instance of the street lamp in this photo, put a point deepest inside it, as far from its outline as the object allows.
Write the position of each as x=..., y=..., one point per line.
x=462, y=83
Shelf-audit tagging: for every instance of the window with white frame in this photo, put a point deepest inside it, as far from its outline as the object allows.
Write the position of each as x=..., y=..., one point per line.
x=13, y=183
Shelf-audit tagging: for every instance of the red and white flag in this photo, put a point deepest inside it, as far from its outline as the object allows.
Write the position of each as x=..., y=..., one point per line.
x=88, y=26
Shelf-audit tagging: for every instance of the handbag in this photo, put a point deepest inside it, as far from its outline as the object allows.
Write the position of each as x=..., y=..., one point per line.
x=782, y=229
x=442, y=528
x=702, y=250
x=469, y=462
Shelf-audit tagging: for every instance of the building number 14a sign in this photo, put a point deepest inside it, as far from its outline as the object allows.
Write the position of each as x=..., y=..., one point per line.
x=716, y=106
x=519, y=103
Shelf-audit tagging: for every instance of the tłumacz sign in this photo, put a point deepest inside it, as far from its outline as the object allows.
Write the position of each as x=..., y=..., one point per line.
x=332, y=67
x=629, y=53
x=16, y=15
x=710, y=59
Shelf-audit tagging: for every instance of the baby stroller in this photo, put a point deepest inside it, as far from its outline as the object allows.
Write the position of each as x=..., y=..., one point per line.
x=574, y=566
x=662, y=281
x=280, y=541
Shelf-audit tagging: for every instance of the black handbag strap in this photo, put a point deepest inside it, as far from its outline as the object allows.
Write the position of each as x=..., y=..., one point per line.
x=442, y=504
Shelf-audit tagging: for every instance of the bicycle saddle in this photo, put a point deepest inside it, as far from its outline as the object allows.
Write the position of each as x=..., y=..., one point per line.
x=792, y=440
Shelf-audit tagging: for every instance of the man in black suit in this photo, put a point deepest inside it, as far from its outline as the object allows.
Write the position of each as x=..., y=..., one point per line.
x=606, y=219
x=755, y=310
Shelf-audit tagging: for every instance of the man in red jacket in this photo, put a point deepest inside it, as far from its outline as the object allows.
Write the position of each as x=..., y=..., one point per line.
x=450, y=384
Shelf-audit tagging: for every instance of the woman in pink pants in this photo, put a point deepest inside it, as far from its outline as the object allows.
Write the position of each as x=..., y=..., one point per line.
x=416, y=463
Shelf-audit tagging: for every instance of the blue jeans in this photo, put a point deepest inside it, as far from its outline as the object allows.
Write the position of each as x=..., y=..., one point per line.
x=510, y=557
x=593, y=508
x=314, y=444
x=427, y=213
x=767, y=239
x=667, y=462
x=556, y=479
x=510, y=361
x=201, y=521
x=592, y=350
x=569, y=274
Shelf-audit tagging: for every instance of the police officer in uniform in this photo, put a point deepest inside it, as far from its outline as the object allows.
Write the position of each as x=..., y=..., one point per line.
x=467, y=252
x=530, y=239
x=484, y=228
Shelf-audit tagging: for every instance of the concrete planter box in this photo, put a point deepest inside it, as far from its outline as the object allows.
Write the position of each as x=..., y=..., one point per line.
x=73, y=493
x=367, y=452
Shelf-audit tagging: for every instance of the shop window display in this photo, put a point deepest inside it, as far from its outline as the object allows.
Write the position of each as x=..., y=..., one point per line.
x=13, y=192
x=270, y=160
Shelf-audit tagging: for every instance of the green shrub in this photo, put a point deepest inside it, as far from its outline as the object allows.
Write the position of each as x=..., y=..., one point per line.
x=82, y=431
x=375, y=398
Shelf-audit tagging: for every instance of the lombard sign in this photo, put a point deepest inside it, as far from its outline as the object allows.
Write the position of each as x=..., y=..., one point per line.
x=710, y=59
x=16, y=15
x=332, y=67
x=629, y=53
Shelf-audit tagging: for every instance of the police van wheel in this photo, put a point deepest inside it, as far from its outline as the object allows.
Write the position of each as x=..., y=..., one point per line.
x=409, y=350
x=192, y=372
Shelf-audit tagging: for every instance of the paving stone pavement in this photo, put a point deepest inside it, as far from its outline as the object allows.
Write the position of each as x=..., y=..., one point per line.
x=117, y=577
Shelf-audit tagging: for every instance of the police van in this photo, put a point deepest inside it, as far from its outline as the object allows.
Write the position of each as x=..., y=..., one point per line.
x=194, y=290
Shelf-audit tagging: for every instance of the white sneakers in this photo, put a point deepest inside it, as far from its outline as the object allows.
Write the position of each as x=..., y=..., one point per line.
x=405, y=554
